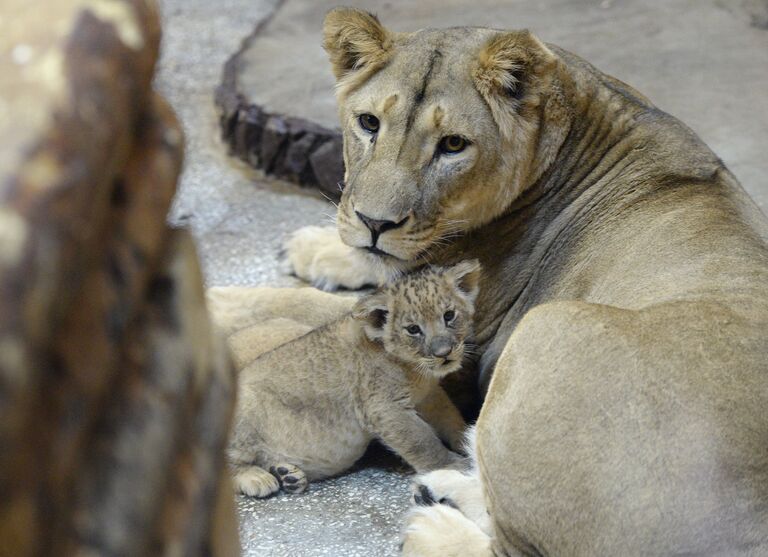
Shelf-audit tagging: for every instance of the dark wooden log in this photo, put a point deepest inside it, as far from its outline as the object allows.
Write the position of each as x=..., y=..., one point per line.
x=113, y=390
x=151, y=476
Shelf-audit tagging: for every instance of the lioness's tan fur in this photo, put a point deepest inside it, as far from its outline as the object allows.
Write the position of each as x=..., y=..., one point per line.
x=623, y=313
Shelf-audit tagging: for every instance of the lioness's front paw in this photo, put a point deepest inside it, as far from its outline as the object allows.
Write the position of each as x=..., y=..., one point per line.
x=455, y=489
x=317, y=255
x=443, y=531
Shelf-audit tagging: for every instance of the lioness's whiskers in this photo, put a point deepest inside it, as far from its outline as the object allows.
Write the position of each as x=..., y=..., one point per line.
x=331, y=201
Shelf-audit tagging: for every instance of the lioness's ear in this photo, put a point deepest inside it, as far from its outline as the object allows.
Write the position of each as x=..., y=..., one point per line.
x=510, y=71
x=466, y=277
x=372, y=311
x=354, y=39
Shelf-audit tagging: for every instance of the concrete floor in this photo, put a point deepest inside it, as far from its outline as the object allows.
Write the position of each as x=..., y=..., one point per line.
x=706, y=61
x=238, y=219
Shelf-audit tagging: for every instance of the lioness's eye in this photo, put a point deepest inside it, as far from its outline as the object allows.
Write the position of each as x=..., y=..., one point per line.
x=413, y=330
x=369, y=123
x=452, y=144
x=449, y=315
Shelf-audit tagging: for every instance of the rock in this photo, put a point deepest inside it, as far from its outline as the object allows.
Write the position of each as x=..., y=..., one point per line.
x=328, y=166
x=278, y=144
x=274, y=137
x=295, y=164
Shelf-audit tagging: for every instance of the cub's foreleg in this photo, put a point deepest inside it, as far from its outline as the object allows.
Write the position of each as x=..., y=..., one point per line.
x=398, y=425
x=441, y=413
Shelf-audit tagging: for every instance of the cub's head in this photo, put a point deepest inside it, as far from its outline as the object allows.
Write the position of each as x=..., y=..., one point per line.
x=442, y=128
x=424, y=318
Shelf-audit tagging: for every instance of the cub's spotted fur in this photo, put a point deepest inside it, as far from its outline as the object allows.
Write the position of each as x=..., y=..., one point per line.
x=309, y=408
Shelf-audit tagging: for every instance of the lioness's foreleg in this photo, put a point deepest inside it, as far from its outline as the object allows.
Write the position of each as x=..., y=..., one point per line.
x=255, y=320
x=234, y=308
x=404, y=431
x=442, y=531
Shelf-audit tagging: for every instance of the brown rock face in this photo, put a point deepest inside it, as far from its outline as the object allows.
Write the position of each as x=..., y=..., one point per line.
x=115, y=397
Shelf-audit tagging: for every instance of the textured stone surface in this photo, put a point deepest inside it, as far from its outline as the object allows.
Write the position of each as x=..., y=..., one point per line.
x=356, y=515
x=238, y=218
x=328, y=166
x=283, y=145
x=701, y=60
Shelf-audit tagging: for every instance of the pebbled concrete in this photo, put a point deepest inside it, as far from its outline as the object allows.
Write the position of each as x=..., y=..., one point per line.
x=703, y=60
x=238, y=219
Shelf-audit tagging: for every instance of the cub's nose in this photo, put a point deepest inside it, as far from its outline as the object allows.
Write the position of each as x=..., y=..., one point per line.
x=440, y=347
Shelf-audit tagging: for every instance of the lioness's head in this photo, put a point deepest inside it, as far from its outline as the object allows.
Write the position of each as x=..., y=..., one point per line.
x=441, y=128
x=425, y=317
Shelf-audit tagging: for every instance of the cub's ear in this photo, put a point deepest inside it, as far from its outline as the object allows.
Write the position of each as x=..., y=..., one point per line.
x=372, y=311
x=355, y=39
x=466, y=277
x=510, y=73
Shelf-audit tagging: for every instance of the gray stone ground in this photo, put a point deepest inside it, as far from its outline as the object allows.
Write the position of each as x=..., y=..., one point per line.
x=238, y=219
x=703, y=60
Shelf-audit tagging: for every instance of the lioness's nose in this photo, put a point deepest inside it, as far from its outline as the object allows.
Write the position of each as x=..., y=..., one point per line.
x=379, y=226
x=440, y=347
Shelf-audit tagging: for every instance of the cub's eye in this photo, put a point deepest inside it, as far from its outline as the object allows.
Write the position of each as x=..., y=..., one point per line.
x=452, y=144
x=449, y=315
x=413, y=330
x=369, y=123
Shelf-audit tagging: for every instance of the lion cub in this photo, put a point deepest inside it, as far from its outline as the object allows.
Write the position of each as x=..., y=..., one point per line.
x=309, y=408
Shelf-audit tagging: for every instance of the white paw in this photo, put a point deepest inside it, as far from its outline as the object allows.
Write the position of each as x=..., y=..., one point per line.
x=255, y=482
x=317, y=255
x=455, y=489
x=443, y=531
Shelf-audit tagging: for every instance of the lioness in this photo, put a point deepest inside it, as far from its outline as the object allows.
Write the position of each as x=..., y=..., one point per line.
x=623, y=314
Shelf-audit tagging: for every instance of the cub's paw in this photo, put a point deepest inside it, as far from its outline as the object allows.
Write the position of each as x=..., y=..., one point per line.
x=454, y=489
x=292, y=478
x=443, y=531
x=255, y=482
x=317, y=255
